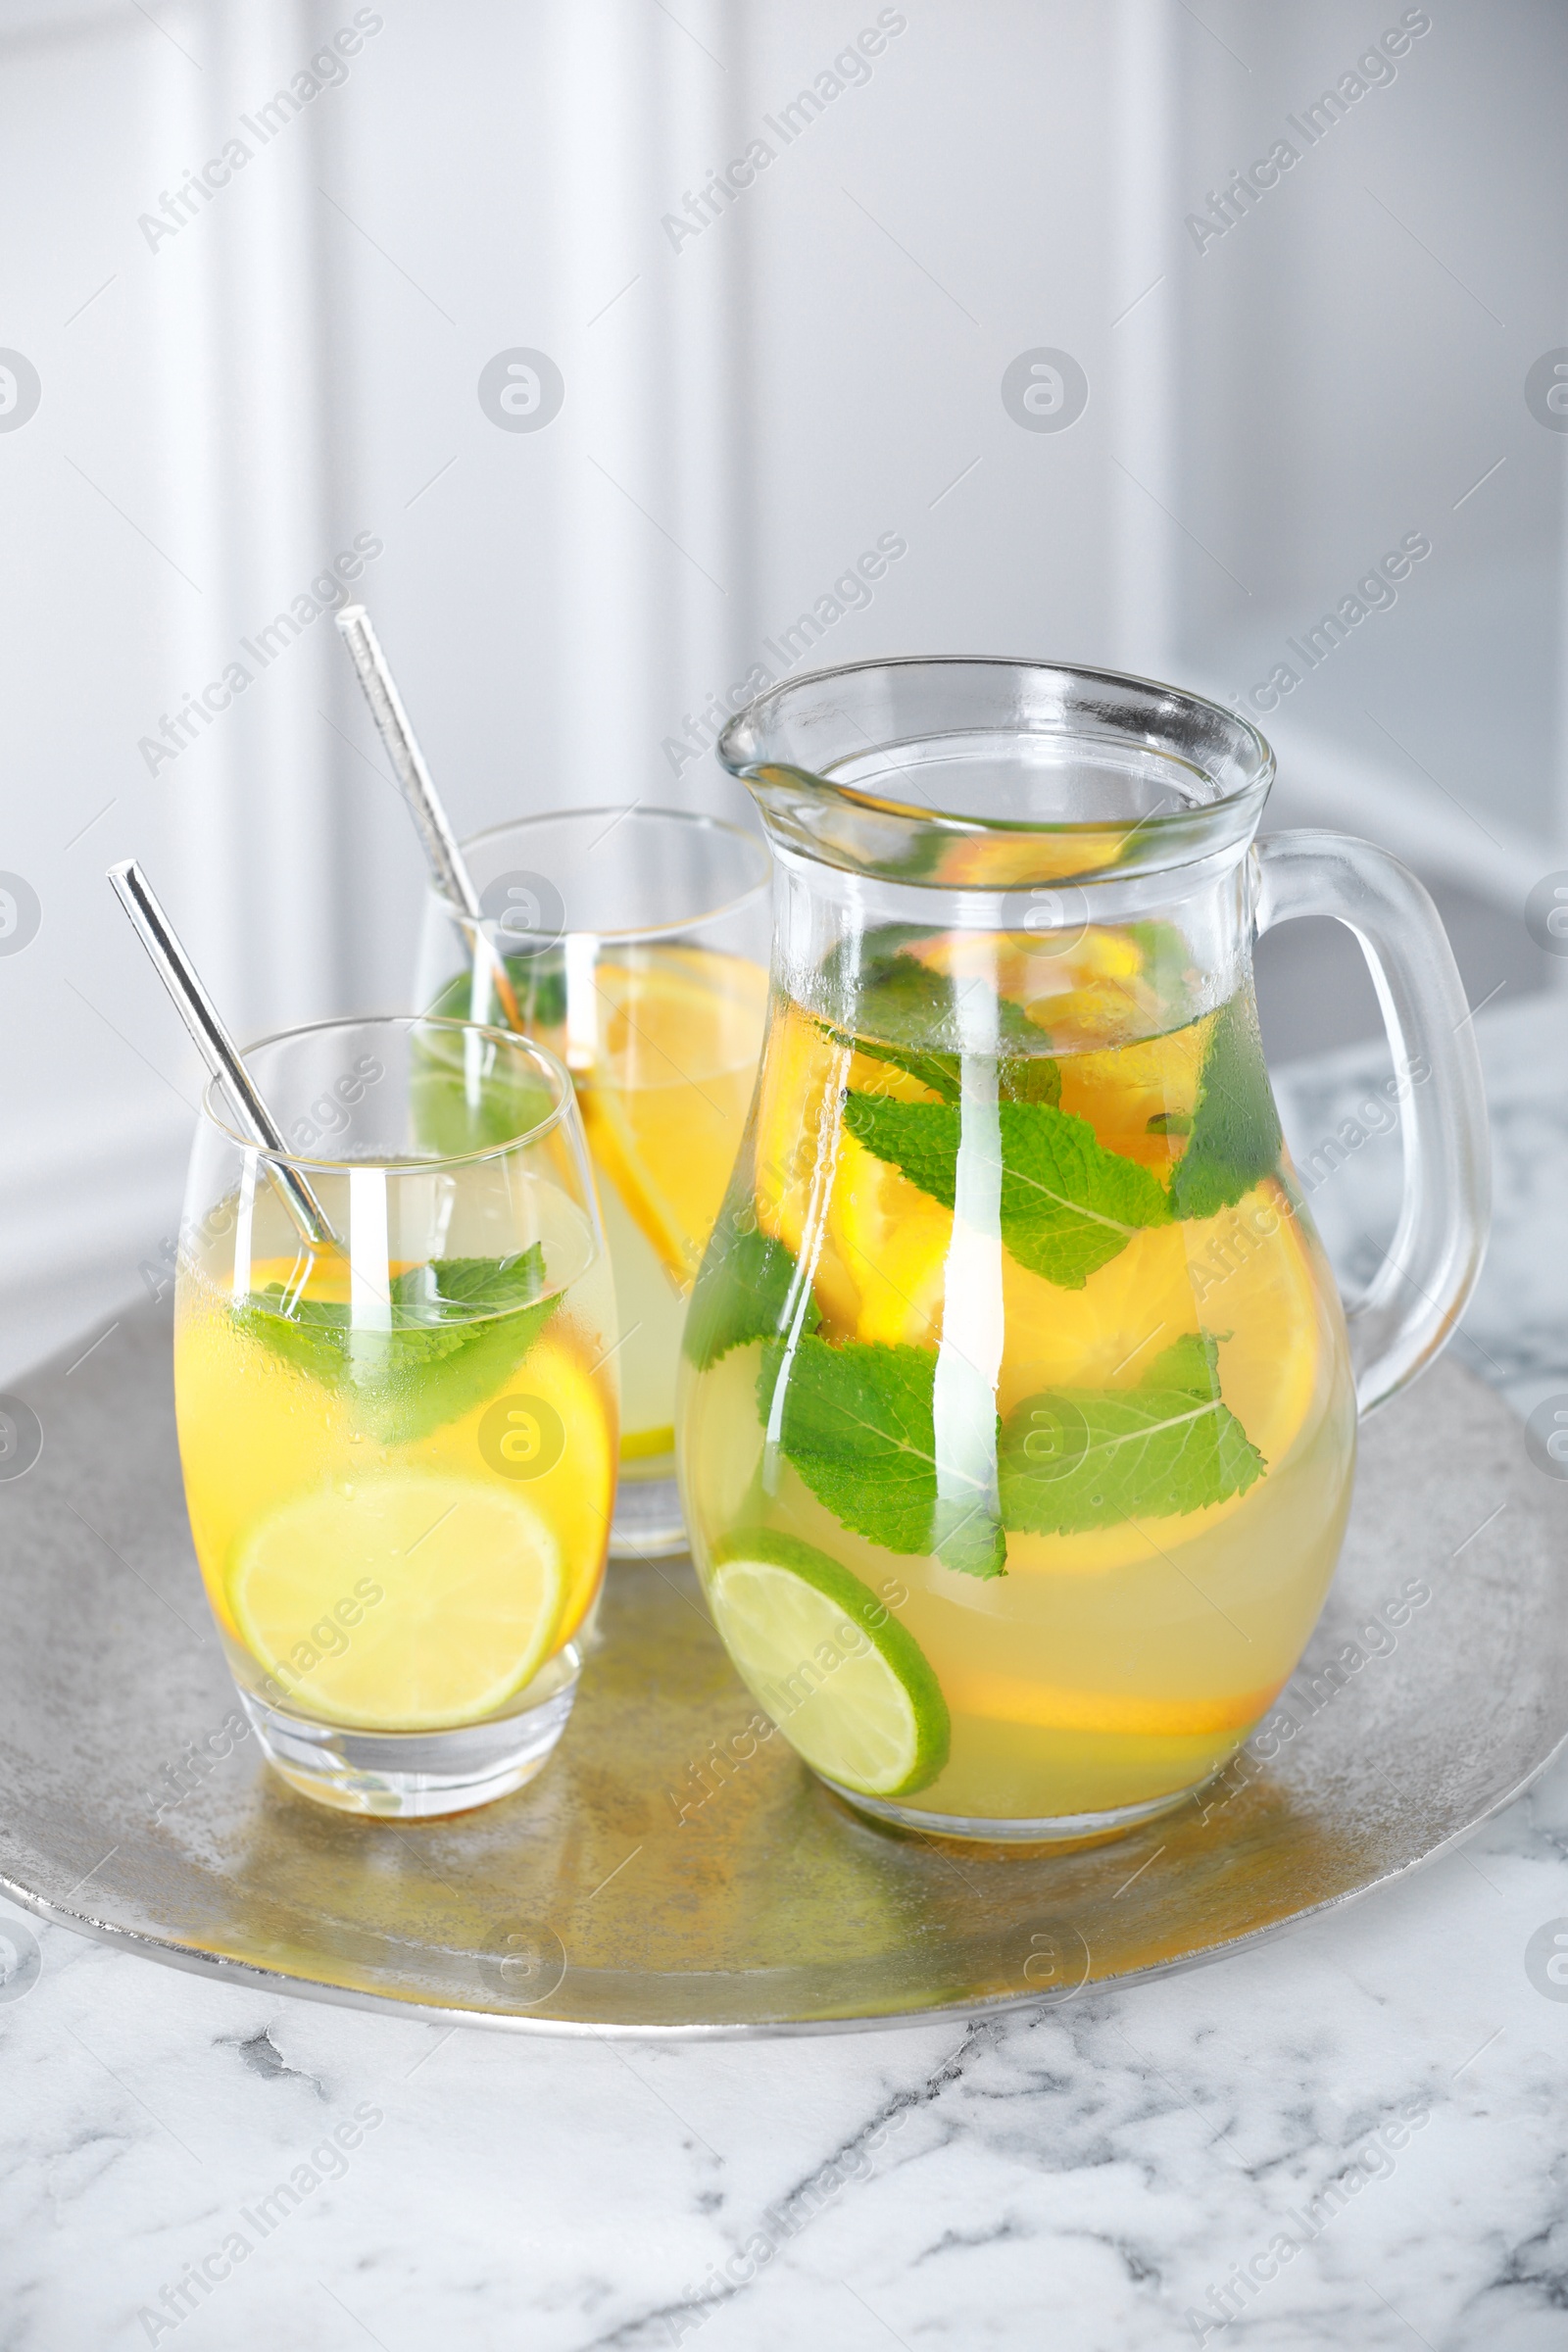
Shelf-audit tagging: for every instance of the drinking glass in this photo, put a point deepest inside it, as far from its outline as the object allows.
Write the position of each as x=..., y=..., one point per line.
x=1018, y=1428
x=399, y=1445
x=634, y=943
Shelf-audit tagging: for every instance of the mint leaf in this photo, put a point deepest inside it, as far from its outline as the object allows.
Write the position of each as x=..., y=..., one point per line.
x=1168, y=967
x=313, y=1335
x=742, y=1293
x=538, y=982
x=909, y=1015
x=858, y=1425
x=1236, y=1138
x=448, y=1113
x=428, y=1378
x=460, y=1327
x=1028, y=1078
x=1077, y=1458
x=1068, y=1206
x=489, y=1285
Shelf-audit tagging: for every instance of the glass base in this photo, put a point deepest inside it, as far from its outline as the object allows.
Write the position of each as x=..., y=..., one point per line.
x=416, y=1776
x=648, y=1524
x=1061, y=1830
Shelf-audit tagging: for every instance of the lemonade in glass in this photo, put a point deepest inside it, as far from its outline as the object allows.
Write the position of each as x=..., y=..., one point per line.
x=399, y=1447
x=633, y=943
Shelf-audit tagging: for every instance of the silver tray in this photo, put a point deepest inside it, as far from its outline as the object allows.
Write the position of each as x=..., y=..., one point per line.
x=612, y=1896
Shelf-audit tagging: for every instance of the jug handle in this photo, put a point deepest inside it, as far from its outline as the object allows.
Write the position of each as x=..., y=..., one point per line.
x=1425, y=1280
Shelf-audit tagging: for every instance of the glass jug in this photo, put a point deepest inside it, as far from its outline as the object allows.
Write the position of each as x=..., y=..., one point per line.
x=1017, y=1416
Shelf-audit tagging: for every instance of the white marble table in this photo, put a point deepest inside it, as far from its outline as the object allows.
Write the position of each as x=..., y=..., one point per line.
x=1353, y=2137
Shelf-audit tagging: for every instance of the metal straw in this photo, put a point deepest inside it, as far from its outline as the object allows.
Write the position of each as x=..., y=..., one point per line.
x=217, y=1047
x=419, y=789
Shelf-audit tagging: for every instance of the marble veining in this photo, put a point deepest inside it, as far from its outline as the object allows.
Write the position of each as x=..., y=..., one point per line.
x=1350, y=2136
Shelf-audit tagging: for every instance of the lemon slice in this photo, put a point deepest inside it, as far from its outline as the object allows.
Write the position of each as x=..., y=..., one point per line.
x=1046, y=1706
x=895, y=1241
x=799, y=1133
x=665, y=1094
x=409, y=1602
x=850, y=1688
x=577, y=1496
x=1260, y=1293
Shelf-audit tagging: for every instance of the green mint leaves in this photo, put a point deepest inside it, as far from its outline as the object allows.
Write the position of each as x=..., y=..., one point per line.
x=538, y=982
x=742, y=1293
x=1068, y=1206
x=460, y=1327
x=1078, y=1458
x=857, y=1422
x=1236, y=1138
x=451, y=1111
x=911, y=1016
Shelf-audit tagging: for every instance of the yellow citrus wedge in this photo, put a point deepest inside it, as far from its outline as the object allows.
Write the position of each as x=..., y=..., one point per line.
x=576, y=1495
x=1004, y=861
x=1011, y=1698
x=665, y=1097
x=1258, y=1295
x=406, y=1602
x=893, y=1240
x=1122, y=1093
x=798, y=1141
x=645, y=1445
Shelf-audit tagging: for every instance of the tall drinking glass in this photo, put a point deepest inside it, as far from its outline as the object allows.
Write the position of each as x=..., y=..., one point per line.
x=633, y=942
x=399, y=1447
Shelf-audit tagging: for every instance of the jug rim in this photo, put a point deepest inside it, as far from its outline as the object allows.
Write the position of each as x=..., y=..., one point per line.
x=787, y=741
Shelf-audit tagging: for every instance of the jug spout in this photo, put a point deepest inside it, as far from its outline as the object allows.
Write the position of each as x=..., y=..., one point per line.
x=995, y=774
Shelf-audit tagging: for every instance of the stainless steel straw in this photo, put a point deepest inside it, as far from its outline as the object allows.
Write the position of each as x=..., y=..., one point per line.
x=217, y=1047
x=419, y=789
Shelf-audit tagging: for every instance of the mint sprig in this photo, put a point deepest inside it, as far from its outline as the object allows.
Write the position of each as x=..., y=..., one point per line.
x=742, y=1293
x=460, y=1328
x=857, y=1421
x=1068, y=1206
x=538, y=982
x=1236, y=1138
x=1072, y=1459
x=450, y=1114
x=911, y=1016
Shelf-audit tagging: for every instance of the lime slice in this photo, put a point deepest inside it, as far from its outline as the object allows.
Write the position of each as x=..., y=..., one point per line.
x=403, y=1603
x=852, y=1691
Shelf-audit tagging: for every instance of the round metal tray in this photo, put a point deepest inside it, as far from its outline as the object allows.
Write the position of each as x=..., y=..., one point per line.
x=615, y=1896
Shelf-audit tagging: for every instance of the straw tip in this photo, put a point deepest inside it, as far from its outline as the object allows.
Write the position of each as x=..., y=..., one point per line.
x=349, y=617
x=121, y=871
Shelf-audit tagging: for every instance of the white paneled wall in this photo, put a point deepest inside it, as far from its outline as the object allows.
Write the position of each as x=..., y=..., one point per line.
x=747, y=408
